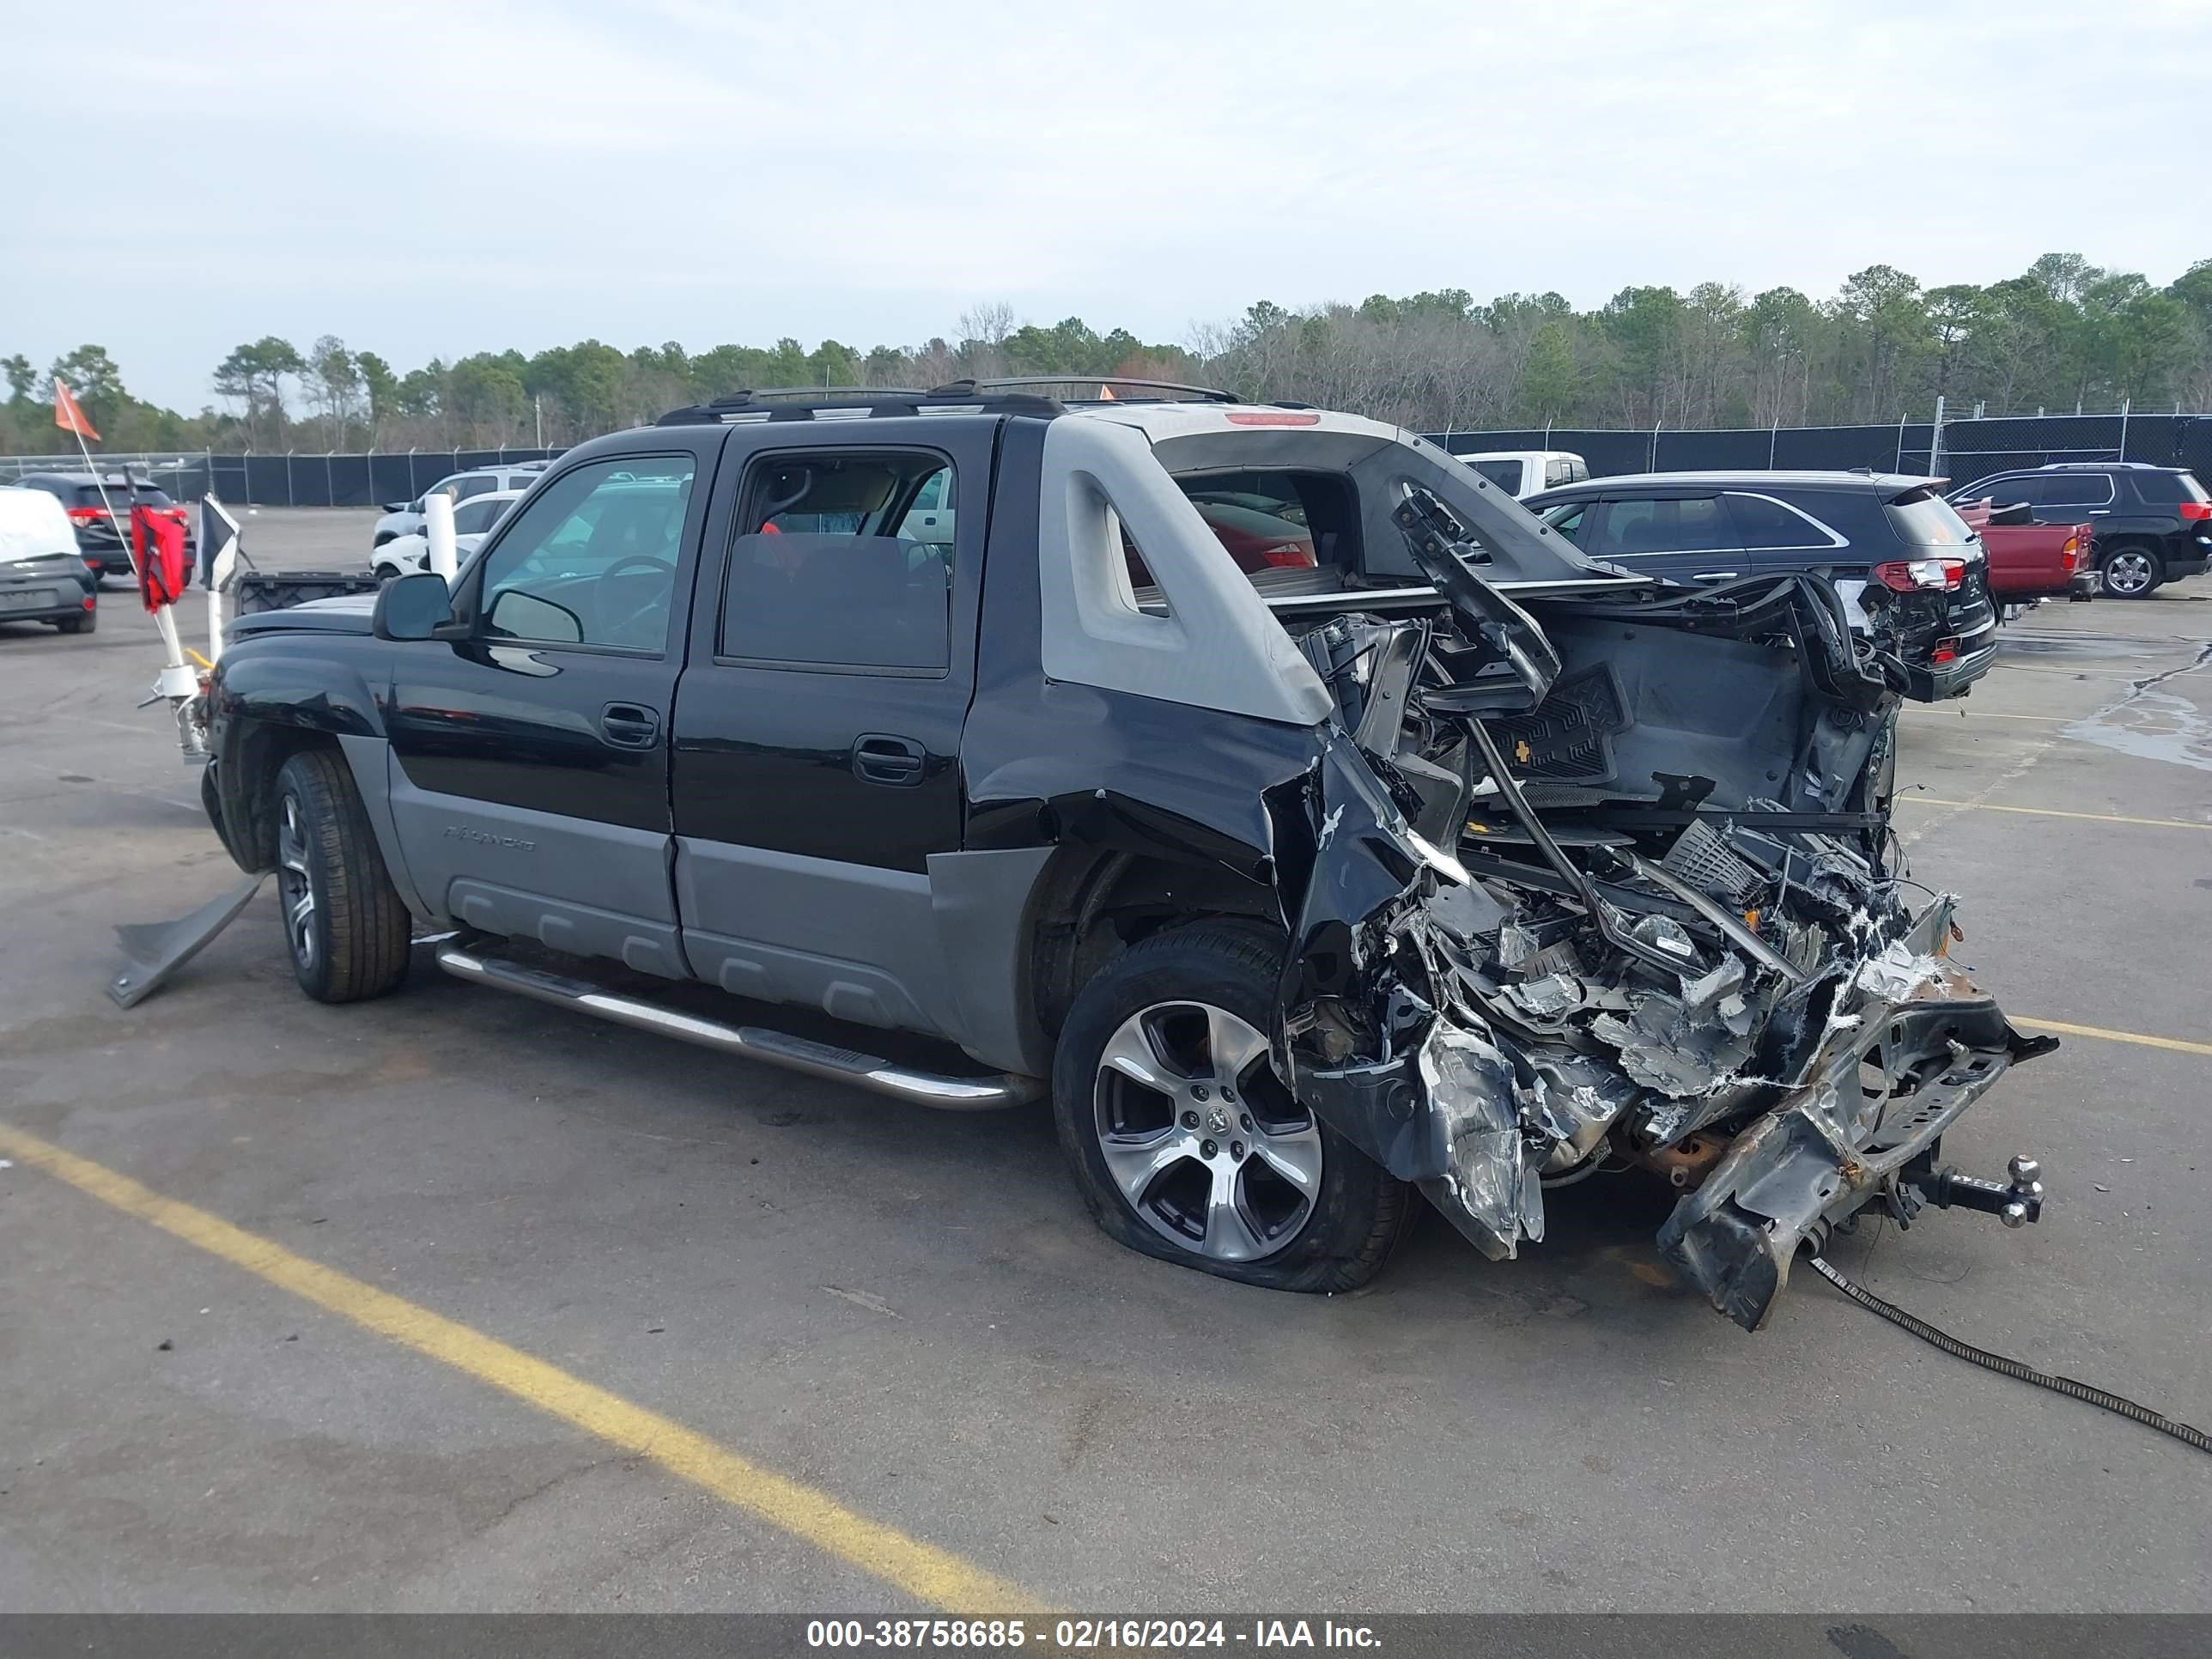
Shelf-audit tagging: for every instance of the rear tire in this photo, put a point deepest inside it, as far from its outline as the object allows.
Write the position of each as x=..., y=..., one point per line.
x=345, y=929
x=1230, y=1212
x=2130, y=571
x=84, y=624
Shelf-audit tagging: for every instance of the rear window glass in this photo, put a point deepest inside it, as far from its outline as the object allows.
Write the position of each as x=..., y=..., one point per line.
x=1268, y=520
x=1927, y=520
x=89, y=495
x=1506, y=474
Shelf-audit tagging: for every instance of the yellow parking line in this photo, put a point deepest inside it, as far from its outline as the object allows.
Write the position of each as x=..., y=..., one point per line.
x=2136, y=1037
x=1909, y=799
x=923, y=1570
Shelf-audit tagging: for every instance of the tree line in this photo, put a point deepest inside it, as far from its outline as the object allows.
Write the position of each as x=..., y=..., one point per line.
x=2060, y=335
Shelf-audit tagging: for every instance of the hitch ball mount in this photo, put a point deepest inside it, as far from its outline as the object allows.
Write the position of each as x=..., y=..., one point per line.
x=2015, y=1203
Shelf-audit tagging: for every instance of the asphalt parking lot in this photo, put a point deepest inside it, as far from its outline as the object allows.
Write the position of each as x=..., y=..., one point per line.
x=716, y=1336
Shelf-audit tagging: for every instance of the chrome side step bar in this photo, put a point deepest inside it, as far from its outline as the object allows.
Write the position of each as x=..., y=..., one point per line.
x=945, y=1094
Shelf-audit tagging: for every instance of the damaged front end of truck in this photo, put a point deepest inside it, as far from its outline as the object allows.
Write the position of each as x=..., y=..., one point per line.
x=1614, y=889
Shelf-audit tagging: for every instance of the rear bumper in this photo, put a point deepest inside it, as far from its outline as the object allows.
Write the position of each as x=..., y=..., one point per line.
x=1934, y=681
x=42, y=598
x=1830, y=1149
x=2188, y=566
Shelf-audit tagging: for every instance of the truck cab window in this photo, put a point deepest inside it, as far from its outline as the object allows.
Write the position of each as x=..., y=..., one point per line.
x=592, y=559
x=835, y=566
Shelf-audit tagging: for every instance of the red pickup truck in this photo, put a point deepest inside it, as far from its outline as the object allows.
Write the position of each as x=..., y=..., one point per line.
x=2030, y=560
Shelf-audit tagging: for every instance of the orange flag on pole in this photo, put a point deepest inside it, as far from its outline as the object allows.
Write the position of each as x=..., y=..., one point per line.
x=69, y=415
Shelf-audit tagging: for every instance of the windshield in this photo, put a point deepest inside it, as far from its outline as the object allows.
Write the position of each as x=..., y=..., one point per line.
x=1926, y=519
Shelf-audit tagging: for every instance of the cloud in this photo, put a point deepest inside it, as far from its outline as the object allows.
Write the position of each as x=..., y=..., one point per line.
x=428, y=179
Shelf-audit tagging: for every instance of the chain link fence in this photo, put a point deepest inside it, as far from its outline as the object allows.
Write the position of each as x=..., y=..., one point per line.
x=1964, y=451
x=296, y=478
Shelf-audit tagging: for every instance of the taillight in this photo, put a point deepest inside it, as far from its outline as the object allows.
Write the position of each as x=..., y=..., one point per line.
x=1289, y=556
x=1921, y=575
x=2198, y=511
x=87, y=515
x=2069, y=553
x=1253, y=417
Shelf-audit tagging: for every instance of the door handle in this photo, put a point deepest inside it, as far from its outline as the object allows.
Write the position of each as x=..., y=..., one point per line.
x=1714, y=576
x=879, y=758
x=629, y=725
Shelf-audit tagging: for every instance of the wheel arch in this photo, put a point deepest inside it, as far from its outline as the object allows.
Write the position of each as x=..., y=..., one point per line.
x=1091, y=903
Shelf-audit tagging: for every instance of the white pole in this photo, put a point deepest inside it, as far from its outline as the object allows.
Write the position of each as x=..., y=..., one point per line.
x=2123, y=455
x=438, y=530
x=122, y=530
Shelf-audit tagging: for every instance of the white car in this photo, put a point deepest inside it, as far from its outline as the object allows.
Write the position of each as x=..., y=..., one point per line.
x=1522, y=472
x=405, y=518
x=404, y=555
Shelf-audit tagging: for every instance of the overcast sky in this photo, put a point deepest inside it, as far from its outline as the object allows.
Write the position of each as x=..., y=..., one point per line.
x=431, y=180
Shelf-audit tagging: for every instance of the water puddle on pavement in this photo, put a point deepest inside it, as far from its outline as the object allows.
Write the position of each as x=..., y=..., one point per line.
x=2151, y=726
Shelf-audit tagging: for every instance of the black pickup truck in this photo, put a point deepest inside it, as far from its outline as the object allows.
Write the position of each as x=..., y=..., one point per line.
x=1471, y=868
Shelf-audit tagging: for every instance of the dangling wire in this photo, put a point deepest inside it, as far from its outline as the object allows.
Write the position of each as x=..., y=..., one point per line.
x=2013, y=1367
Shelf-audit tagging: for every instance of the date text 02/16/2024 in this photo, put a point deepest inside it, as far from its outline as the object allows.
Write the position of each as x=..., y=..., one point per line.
x=1083, y=1635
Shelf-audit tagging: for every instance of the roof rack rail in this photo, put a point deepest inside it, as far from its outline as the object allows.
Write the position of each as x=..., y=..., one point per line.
x=1196, y=393
x=850, y=402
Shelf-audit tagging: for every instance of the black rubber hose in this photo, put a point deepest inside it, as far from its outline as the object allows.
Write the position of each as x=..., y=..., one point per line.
x=2013, y=1367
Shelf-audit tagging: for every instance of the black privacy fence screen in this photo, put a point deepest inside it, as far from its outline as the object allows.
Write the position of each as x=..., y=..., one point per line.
x=1966, y=450
x=1963, y=451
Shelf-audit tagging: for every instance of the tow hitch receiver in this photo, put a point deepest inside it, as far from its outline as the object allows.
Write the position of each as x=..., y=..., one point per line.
x=2016, y=1204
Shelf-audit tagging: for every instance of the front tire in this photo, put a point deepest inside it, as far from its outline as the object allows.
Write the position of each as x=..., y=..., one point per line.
x=345, y=929
x=2130, y=572
x=1183, y=1142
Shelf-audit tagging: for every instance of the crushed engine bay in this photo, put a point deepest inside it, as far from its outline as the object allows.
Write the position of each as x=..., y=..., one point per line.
x=1613, y=891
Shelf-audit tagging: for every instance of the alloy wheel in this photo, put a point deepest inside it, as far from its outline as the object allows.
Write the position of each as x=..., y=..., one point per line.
x=295, y=890
x=2128, y=573
x=1201, y=1136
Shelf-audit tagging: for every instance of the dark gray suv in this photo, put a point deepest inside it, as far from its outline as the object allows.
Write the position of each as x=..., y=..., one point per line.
x=1888, y=542
x=2153, y=523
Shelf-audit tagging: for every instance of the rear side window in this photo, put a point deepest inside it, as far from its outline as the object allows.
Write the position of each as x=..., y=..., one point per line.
x=2169, y=489
x=1634, y=527
x=820, y=573
x=476, y=517
x=1926, y=519
x=1762, y=522
x=2075, y=489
